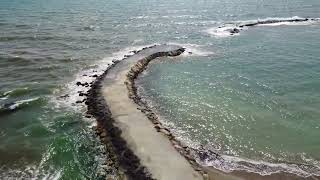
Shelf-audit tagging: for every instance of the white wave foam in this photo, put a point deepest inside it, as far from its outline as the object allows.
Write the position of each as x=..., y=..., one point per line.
x=21, y=102
x=193, y=49
x=302, y=23
x=31, y=172
x=270, y=168
x=222, y=31
x=143, y=17
x=242, y=22
x=186, y=16
x=54, y=176
x=3, y=98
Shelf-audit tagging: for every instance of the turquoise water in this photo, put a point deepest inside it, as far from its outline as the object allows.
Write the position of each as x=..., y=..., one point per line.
x=254, y=95
x=251, y=101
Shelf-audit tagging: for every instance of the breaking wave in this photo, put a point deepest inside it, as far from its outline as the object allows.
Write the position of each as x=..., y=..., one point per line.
x=193, y=49
x=16, y=92
x=13, y=106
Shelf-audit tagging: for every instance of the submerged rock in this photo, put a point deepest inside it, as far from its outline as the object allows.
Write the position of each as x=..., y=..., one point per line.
x=234, y=30
x=64, y=96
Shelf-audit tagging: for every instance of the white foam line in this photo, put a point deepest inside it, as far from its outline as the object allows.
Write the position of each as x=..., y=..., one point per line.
x=222, y=31
x=4, y=98
x=18, y=103
x=55, y=176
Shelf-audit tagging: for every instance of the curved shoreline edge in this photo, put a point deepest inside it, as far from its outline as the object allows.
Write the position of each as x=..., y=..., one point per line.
x=128, y=164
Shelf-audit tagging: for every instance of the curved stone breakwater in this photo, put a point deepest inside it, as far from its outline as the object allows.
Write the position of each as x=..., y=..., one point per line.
x=141, y=147
x=144, y=108
x=139, y=151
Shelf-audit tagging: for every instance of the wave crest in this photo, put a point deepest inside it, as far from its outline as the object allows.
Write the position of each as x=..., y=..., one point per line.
x=13, y=106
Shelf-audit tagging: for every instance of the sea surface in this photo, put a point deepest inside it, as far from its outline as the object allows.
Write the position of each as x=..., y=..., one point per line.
x=252, y=97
